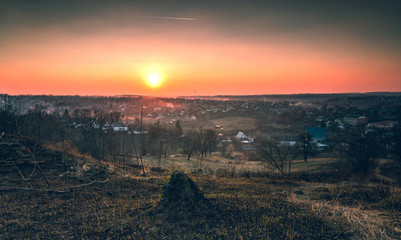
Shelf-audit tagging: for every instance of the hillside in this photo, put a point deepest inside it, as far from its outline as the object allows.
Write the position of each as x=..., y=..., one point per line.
x=78, y=197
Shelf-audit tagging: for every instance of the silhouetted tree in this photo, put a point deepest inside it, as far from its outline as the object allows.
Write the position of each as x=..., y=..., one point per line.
x=41, y=126
x=178, y=129
x=236, y=143
x=115, y=117
x=278, y=155
x=173, y=137
x=362, y=152
x=191, y=143
x=66, y=115
x=8, y=117
x=306, y=144
x=395, y=144
x=81, y=115
x=341, y=149
x=208, y=140
x=156, y=137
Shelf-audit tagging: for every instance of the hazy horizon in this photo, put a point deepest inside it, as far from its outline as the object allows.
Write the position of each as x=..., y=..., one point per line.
x=211, y=48
x=208, y=96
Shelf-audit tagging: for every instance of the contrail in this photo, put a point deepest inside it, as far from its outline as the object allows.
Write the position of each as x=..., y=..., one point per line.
x=168, y=18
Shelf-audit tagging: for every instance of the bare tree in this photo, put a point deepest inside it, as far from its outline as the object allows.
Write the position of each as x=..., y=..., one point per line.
x=142, y=143
x=8, y=116
x=395, y=144
x=191, y=143
x=362, y=152
x=306, y=144
x=278, y=155
x=208, y=140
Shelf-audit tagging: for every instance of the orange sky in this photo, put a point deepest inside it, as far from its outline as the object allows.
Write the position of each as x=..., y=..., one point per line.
x=88, y=56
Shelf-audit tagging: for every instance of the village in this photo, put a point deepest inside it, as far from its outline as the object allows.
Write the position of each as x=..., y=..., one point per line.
x=239, y=119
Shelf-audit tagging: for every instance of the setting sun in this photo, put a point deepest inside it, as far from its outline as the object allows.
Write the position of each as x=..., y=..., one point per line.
x=154, y=79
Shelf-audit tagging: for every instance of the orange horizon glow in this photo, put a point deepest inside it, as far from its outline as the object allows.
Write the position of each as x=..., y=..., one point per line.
x=115, y=61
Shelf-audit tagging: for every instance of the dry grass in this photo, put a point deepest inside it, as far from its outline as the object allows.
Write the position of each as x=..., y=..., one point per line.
x=209, y=164
x=366, y=223
x=241, y=208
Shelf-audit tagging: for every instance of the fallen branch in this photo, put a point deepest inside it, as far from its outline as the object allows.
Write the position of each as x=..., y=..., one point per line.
x=86, y=184
x=20, y=173
x=35, y=161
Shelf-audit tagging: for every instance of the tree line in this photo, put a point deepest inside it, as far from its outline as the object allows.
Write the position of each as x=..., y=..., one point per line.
x=356, y=150
x=157, y=139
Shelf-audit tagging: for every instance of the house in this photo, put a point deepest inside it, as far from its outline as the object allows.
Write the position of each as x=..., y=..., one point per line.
x=78, y=126
x=221, y=138
x=383, y=124
x=119, y=127
x=95, y=125
x=318, y=134
x=106, y=127
x=288, y=143
x=355, y=121
x=318, y=138
x=243, y=138
x=339, y=123
x=321, y=146
x=138, y=132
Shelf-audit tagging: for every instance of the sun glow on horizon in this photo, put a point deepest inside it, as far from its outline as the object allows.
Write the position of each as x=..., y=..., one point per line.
x=154, y=79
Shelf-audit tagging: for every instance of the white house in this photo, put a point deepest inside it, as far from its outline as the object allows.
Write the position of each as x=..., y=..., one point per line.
x=105, y=127
x=138, y=132
x=119, y=127
x=244, y=138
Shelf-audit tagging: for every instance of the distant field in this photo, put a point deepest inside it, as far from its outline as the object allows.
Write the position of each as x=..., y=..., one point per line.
x=216, y=162
x=230, y=125
x=235, y=123
x=213, y=163
x=278, y=126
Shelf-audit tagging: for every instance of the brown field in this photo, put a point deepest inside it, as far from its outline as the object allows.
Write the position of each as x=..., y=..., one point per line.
x=217, y=162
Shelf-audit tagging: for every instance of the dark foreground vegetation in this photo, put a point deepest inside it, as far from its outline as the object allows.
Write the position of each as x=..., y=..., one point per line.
x=77, y=197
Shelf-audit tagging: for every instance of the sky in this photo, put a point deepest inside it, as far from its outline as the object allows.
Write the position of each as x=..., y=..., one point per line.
x=204, y=47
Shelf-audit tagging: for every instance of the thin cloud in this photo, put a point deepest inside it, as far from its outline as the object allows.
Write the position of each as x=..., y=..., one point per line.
x=168, y=18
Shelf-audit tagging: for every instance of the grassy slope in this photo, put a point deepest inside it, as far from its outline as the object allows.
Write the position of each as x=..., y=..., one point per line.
x=241, y=208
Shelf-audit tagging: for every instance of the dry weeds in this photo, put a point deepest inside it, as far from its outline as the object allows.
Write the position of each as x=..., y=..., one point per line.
x=367, y=224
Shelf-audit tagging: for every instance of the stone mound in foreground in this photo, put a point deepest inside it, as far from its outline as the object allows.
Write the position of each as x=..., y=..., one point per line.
x=181, y=197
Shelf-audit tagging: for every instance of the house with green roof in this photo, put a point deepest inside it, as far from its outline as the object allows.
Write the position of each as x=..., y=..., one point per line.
x=318, y=134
